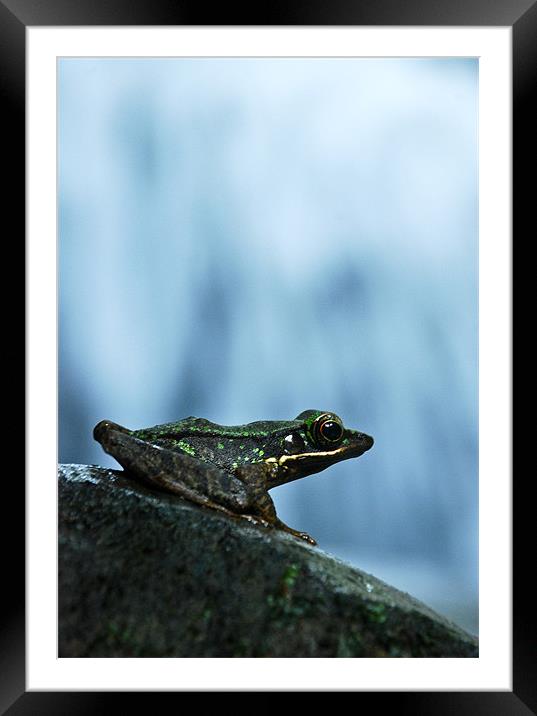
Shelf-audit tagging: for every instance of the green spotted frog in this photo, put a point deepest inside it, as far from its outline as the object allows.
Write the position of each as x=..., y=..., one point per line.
x=231, y=468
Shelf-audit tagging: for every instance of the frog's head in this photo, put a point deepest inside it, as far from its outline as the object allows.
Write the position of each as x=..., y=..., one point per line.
x=319, y=440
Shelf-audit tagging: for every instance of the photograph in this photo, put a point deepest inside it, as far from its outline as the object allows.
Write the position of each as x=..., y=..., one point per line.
x=268, y=268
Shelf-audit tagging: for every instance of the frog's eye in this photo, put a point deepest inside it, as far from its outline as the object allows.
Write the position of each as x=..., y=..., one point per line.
x=294, y=444
x=327, y=430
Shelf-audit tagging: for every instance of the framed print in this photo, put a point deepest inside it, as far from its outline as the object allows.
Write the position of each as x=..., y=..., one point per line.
x=237, y=218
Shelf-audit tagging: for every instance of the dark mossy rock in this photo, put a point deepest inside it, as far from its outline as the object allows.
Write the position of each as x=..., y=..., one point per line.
x=143, y=573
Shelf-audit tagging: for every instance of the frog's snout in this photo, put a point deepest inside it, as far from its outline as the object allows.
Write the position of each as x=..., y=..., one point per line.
x=367, y=441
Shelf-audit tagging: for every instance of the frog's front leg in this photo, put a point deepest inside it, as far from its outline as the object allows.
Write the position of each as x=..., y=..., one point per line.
x=256, y=477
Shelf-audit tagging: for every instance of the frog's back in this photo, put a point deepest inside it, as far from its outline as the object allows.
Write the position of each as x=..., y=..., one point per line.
x=192, y=426
x=227, y=446
x=185, y=426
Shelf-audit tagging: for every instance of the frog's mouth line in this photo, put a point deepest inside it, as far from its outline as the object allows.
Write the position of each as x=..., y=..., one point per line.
x=308, y=463
x=320, y=456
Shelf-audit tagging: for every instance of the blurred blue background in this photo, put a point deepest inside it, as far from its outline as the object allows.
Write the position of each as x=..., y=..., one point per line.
x=243, y=239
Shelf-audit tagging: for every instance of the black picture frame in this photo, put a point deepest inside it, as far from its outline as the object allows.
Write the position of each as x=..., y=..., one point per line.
x=15, y=17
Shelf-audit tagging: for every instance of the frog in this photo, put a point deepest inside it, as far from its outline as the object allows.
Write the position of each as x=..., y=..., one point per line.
x=230, y=469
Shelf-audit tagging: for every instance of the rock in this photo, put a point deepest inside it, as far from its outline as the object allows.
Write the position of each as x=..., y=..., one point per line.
x=144, y=573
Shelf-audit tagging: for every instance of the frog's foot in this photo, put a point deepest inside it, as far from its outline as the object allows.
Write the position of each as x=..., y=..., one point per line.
x=296, y=533
x=255, y=520
x=275, y=524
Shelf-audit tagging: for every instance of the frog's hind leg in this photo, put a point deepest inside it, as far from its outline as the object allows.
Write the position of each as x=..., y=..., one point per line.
x=173, y=471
